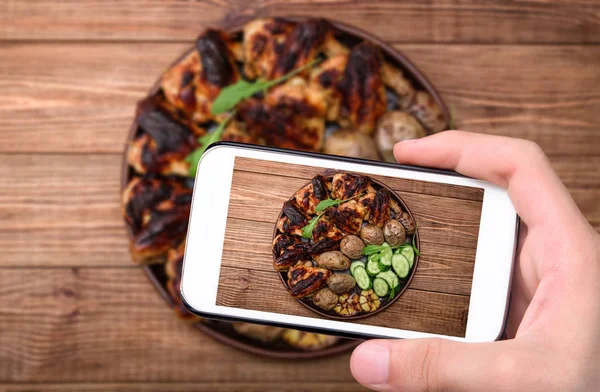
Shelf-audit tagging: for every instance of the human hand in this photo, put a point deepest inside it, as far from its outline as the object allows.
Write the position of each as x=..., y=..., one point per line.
x=554, y=318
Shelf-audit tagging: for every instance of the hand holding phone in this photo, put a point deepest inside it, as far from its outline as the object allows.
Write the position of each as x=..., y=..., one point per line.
x=350, y=247
x=554, y=319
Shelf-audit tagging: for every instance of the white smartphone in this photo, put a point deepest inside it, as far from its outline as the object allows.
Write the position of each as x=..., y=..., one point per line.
x=345, y=246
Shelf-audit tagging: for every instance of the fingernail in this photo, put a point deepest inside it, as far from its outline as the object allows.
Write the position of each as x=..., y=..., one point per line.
x=408, y=141
x=370, y=363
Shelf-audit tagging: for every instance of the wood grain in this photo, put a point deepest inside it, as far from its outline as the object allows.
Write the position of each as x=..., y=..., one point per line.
x=415, y=310
x=63, y=210
x=443, y=268
x=103, y=324
x=87, y=104
x=548, y=21
x=176, y=386
x=258, y=191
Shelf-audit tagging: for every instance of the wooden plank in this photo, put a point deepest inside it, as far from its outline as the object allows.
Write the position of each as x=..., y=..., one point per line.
x=71, y=97
x=437, y=21
x=414, y=310
x=103, y=325
x=443, y=268
x=64, y=209
x=61, y=210
x=188, y=387
x=307, y=172
x=516, y=91
x=259, y=198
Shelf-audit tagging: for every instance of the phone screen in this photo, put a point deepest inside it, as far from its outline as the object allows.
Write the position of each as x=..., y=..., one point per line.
x=291, y=246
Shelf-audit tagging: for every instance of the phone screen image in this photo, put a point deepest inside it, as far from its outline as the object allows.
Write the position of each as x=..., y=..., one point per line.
x=307, y=241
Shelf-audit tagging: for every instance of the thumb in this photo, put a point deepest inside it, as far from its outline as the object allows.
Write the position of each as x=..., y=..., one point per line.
x=433, y=365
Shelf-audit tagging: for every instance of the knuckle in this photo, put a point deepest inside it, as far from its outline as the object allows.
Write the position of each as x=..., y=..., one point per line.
x=428, y=359
x=533, y=149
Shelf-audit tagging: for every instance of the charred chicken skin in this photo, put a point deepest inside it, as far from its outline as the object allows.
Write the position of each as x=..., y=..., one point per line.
x=164, y=144
x=193, y=84
x=304, y=280
x=157, y=215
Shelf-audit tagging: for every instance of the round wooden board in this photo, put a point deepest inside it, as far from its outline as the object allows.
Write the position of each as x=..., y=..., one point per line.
x=222, y=331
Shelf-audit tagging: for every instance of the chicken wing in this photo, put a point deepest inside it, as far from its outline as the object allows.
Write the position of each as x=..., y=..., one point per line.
x=275, y=47
x=156, y=213
x=325, y=78
x=309, y=196
x=345, y=186
x=303, y=280
x=193, y=84
x=394, y=79
x=362, y=91
x=347, y=217
x=164, y=143
x=292, y=220
x=428, y=112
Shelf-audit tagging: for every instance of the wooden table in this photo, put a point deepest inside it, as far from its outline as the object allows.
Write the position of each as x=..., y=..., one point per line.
x=75, y=313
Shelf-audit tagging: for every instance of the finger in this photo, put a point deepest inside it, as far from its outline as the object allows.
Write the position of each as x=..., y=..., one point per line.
x=433, y=365
x=518, y=165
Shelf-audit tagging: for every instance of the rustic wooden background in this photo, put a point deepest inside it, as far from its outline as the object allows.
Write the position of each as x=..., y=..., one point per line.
x=437, y=300
x=75, y=313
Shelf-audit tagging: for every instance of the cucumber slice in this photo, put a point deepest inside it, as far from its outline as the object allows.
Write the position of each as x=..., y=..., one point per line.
x=380, y=287
x=383, y=267
x=362, y=278
x=391, y=279
x=356, y=264
x=400, y=265
x=386, y=259
x=373, y=267
x=409, y=253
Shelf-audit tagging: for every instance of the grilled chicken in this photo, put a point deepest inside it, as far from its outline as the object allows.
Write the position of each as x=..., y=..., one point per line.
x=362, y=91
x=289, y=251
x=293, y=220
x=309, y=196
x=345, y=186
x=164, y=143
x=326, y=229
x=308, y=341
x=304, y=280
x=157, y=216
x=292, y=126
x=325, y=78
x=347, y=217
x=193, y=84
x=284, y=242
x=274, y=47
x=173, y=268
x=380, y=208
x=394, y=79
x=297, y=97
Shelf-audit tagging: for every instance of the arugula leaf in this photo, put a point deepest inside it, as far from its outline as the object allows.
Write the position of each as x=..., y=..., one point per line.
x=206, y=141
x=242, y=89
x=392, y=292
x=308, y=229
x=324, y=204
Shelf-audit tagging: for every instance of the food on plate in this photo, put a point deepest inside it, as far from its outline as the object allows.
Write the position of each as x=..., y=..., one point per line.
x=263, y=333
x=195, y=82
x=325, y=264
x=394, y=233
x=371, y=235
x=350, y=143
x=157, y=214
x=351, y=246
x=325, y=299
x=394, y=79
x=427, y=111
x=394, y=127
x=305, y=280
x=341, y=283
x=308, y=341
x=164, y=144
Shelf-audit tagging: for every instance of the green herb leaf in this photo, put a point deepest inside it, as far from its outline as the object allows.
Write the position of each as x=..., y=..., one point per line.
x=324, y=204
x=233, y=94
x=308, y=229
x=372, y=249
x=206, y=141
x=392, y=292
x=414, y=246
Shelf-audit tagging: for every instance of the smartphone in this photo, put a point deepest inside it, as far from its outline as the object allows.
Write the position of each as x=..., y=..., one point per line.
x=345, y=246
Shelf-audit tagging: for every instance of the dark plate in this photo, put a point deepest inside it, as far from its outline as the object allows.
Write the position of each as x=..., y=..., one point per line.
x=223, y=332
x=330, y=314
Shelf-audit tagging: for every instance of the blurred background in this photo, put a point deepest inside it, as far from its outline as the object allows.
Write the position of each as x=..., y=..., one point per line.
x=76, y=313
